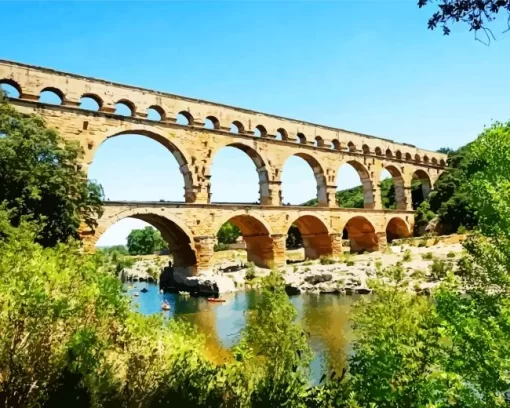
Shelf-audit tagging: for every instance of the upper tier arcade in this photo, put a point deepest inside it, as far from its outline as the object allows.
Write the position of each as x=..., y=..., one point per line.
x=269, y=140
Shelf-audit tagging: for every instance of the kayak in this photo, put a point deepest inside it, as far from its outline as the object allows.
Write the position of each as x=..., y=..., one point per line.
x=217, y=300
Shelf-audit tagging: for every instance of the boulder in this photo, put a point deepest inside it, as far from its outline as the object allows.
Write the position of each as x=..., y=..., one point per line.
x=318, y=278
x=363, y=291
x=292, y=290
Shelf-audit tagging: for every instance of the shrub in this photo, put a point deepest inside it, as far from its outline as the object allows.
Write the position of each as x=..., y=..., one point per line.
x=350, y=263
x=407, y=256
x=450, y=254
x=422, y=243
x=326, y=260
x=220, y=247
x=428, y=256
x=462, y=230
x=439, y=269
x=418, y=274
x=250, y=272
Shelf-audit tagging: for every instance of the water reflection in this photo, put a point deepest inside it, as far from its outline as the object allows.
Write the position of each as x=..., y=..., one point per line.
x=324, y=317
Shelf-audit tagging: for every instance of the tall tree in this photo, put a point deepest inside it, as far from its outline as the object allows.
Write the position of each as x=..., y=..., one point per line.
x=40, y=177
x=144, y=241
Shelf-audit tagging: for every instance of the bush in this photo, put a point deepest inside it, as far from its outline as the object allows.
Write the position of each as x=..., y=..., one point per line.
x=220, y=247
x=439, y=269
x=407, y=256
x=325, y=260
x=422, y=243
x=462, y=230
x=428, y=256
x=250, y=272
x=350, y=263
x=450, y=254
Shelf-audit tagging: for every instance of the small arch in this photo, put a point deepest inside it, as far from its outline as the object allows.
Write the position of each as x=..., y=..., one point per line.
x=335, y=144
x=398, y=155
x=184, y=118
x=236, y=127
x=434, y=161
x=91, y=102
x=417, y=158
x=11, y=88
x=366, y=149
x=319, y=141
x=351, y=147
x=256, y=236
x=378, y=151
x=397, y=228
x=125, y=108
x=52, y=96
x=361, y=235
x=212, y=122
x=442, y=163
x=156, y=113
x=409, y=157
x=281, y=134
x=389, y=154
x=300, y=138
x=426, y=159
x=260, y=131
x=315, y=234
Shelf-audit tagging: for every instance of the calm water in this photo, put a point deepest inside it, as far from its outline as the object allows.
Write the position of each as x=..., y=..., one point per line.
x=325, y=317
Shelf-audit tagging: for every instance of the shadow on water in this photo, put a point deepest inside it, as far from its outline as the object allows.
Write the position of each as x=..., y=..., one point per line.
x=324, y=317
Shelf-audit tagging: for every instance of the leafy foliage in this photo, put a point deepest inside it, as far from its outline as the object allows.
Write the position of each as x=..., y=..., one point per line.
x=145, y=241
x=475, y=13
x=449, y=200
x=40, y=177
x=228, y=233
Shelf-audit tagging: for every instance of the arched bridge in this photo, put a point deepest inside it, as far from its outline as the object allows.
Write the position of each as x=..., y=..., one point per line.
x=194, y=130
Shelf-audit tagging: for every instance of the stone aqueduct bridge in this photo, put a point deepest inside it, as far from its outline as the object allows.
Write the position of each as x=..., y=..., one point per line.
x=190, y=227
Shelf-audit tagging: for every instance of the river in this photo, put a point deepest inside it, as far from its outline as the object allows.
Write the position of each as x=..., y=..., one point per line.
x=325, y=317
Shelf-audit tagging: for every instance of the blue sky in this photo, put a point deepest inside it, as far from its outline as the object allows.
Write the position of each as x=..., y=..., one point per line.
x=367, y=66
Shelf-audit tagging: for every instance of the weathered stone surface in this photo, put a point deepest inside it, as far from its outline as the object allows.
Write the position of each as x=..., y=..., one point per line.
x=318, y=278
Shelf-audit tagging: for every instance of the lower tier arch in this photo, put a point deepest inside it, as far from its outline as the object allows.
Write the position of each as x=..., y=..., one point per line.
x=361, y=235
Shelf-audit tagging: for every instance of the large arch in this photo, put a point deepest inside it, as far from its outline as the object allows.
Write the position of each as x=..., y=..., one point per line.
x=361, y=234
x=178, y=153
x=174, y=232
x=397, y=228
x=319, y=175
x=366, y=182
x=257, y=237
x=420, y=194
x=398, y=185
x=260, y=165
x=316, y=235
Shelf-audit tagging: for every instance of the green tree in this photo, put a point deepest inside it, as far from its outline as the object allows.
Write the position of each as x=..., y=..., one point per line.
x=40, y=177
x=449, y=200
x=145, y=241
x=228, y=233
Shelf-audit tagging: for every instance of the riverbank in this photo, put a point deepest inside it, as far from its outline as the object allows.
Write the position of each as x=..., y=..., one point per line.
x=424, y=266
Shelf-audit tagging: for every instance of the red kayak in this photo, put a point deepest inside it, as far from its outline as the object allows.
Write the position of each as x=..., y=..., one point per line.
x=216, y=300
